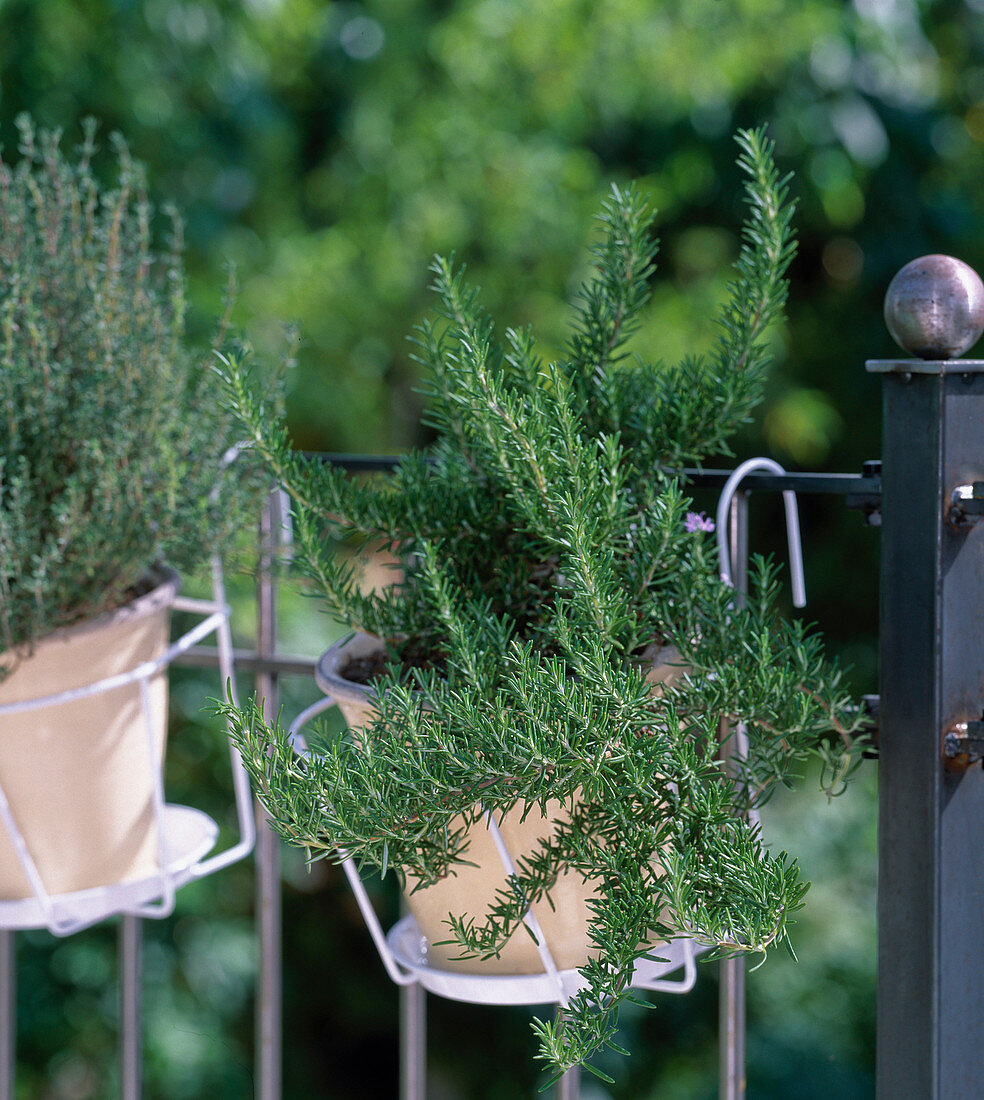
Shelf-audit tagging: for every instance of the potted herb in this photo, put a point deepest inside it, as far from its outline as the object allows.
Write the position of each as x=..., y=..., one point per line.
x=112, y=475
x=559, y=650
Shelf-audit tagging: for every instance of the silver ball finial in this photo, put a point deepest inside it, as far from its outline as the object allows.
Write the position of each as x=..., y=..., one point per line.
x=934, y=307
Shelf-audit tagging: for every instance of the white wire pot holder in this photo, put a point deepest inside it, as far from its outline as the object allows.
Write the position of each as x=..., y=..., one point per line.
x=184, y=835
x=404, y=950
x=404, y=953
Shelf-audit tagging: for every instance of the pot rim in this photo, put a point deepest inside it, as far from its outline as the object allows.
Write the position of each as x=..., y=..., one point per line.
x=327, y=674
x=66, y=639
x=167, y=584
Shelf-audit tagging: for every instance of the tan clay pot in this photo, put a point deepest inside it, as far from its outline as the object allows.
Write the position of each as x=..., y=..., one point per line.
x=78, y=775
x=471, y=889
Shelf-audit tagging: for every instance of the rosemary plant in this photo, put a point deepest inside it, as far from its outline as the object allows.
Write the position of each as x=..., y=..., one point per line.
x=112, y=432
x=548, y=547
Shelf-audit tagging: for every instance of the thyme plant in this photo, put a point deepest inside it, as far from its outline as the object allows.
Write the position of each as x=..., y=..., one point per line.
x=548, y=549
x=112, y=432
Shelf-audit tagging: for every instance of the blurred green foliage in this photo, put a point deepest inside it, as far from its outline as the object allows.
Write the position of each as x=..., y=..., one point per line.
x=328, y=149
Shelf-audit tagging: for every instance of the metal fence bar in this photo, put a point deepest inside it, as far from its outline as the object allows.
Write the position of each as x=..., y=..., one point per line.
x=8, y=1013
x=731, y=974
x=866, y=484
x=569, y=1086
x=930, y=850
x=130, y=968
x=268, y=665
x=268, y=980
x=731, y=1029
x=204, y=656
x=268, y=1017
x=738, y=541
x=413, y=1042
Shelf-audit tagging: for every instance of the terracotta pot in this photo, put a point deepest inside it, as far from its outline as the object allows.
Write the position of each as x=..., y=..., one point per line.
x=78, y=775
x=470, y=890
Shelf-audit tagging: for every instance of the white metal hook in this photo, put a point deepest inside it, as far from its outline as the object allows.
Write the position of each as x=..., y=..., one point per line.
x=731, y=487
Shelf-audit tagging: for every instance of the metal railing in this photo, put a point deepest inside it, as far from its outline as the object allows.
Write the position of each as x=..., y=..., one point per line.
x=268, y=665
x=931, y=729
x=860, y=491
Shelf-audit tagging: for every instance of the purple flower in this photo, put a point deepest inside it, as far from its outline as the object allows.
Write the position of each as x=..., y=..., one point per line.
x=697, y=521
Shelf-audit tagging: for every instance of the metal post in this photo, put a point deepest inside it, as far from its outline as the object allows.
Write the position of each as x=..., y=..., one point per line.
x=130, y=964
x=738, y=541
x=731, y=973
x=930, y=839
x=8, y=1013
x=268, y=911
x=931, y=810
x=413, y=1042
x=569, y=1086
x=731, y=1029
x=413, y=1037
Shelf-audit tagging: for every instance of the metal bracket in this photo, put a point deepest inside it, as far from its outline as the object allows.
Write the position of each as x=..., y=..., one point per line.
x=965, y=739
x=966, y=505
x=866, y=496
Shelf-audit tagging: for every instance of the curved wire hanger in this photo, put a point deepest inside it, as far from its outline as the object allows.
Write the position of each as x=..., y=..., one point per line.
x=731, y=487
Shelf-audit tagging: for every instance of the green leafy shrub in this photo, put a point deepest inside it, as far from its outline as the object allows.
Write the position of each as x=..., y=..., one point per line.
x=547, y=553
x=112, y=434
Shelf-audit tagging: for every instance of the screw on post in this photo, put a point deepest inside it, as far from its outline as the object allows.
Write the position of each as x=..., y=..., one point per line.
x=963, y=743
x=966, y=505
x=867, y=497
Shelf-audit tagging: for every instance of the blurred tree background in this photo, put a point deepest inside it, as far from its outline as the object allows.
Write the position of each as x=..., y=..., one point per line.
x=328, y=150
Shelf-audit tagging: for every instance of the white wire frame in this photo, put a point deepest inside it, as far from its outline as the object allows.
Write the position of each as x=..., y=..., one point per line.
x=553, y=985
x=154, y=896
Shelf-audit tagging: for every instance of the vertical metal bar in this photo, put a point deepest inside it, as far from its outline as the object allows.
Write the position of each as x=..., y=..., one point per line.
x=130, y=965
x=268, y=1023
x=738, y=541
x=8, y=1013
x=413, y=1042
x=569, y=1086
x=930, y=855
x=731, y=989
x=731, y=1029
